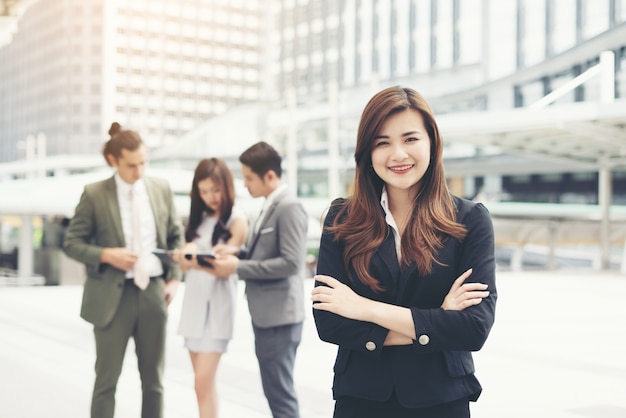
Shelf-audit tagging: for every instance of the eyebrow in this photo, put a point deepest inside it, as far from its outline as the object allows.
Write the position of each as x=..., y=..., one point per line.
x=404, y=134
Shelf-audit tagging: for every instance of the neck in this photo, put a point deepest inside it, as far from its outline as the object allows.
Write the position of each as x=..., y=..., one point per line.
x=273, y=187
x=401, y=208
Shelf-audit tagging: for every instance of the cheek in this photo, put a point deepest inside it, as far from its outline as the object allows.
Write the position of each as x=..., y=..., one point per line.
x=377, y=158
x=379, y=162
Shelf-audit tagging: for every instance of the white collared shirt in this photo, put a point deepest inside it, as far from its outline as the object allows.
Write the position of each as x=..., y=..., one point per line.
x=384, y=202
x=148, y=226
x=268, y=202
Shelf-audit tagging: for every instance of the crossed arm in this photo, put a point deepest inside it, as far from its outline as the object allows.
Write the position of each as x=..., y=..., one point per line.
x=340, y=299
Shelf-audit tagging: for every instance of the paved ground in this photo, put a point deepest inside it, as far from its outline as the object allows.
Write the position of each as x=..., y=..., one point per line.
x=558, y=350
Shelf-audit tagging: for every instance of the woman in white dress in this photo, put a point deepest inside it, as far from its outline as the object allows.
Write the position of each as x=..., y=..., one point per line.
x=208, y=310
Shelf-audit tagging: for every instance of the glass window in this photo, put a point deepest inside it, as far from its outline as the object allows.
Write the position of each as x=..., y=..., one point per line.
x=595, y=17
x=470, y=30
x=444, y=34
x=564, y=29
x=422, y=36
x=236, y=73
x=520, y=179
x=551, y=178
x=533, y=32
x=532, y=92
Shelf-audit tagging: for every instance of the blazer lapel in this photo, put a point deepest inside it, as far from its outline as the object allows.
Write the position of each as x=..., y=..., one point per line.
x=266, y=217
x=406, y=275
x=113, y=207
x=156, y=210
x=399, y=278
x=387, y=254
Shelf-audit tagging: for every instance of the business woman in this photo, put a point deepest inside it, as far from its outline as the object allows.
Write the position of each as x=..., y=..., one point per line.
x=405, y=282
x=208, y=312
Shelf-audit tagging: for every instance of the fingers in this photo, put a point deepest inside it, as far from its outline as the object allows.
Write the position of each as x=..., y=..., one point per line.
x=459, y=281
x=472, y=298
x=463, y=295
x=321, y=296
x=327, y=280
x=168, y=298
x=470, y=287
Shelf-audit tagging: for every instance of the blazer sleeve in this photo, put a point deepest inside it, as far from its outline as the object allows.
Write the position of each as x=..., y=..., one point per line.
x=167, y=218
x=347, y=333
x=465, y=330
x=78, y=236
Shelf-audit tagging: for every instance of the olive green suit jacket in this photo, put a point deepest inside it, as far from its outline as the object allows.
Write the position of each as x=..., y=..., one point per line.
x=97, y=224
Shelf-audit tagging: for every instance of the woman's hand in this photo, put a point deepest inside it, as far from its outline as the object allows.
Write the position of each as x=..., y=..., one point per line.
x=463, y=295
x=226, y=249
x=184, y=262
x=338, y=298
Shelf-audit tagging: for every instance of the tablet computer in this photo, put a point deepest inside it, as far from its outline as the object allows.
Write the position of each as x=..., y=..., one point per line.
x=204, y=258
x=164, y=255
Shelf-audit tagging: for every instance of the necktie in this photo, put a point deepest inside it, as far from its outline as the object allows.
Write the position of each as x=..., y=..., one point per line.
x=140, y=275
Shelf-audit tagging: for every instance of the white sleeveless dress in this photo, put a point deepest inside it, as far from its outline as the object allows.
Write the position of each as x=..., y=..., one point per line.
x=208, y=311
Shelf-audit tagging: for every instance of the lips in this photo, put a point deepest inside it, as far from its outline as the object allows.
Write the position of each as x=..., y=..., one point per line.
x=401, y=168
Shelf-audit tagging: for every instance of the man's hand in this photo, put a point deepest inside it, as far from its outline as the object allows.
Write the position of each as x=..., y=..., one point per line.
x=171, y=287
x=119, y=257
x=225, y=249
x=223, y=266
x=184, y=262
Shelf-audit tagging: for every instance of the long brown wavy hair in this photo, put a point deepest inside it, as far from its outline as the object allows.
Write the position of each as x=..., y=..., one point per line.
x=217, y=170
x=360, y=224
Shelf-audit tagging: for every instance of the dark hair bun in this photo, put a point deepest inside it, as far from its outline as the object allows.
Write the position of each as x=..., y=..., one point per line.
x=115, y=128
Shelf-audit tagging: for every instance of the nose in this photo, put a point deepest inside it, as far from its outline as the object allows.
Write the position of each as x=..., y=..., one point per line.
x=399, y=153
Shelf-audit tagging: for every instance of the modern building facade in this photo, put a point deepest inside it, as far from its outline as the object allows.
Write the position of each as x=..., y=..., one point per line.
x=463, y=55
x=168, y=69
x=160, y=67
x=530, y=95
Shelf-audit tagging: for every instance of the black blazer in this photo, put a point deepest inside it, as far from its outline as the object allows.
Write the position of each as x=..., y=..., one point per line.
x=438, y=366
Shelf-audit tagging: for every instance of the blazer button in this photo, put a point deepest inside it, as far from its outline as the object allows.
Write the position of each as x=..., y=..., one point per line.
x=370, y=345
x=423, y=339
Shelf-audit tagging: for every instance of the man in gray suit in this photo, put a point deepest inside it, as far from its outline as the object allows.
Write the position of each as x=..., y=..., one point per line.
x=117, y=224
x=272, y=265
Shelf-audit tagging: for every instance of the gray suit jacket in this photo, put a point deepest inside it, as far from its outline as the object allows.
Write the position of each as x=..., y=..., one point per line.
x=97, y=224
x=273, y=264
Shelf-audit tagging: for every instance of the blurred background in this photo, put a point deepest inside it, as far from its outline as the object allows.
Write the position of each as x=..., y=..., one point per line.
x=529, y=96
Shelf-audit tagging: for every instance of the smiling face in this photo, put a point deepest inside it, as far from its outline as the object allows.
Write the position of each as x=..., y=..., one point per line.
x=401, y=151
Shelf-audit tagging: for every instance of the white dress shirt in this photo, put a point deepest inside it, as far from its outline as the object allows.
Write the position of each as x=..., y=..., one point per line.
x=268, y=202
x=384, y=202
x=148, y=225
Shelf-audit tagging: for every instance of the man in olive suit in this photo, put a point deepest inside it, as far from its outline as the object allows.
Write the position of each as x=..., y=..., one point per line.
x=117, y=224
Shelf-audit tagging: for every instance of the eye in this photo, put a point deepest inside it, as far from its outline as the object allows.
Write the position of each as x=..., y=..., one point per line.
x=380, y=142
x=411, y=139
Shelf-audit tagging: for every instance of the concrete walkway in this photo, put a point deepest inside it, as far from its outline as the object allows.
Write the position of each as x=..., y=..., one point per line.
x=558, y=350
